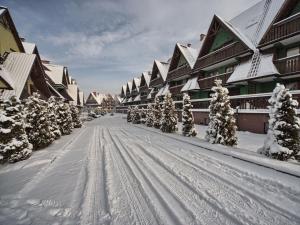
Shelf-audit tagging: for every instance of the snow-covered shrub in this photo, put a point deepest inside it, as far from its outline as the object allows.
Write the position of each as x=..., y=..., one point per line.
x=75, y=116
x=169, y=116
x=188, y=127
x=282, y=140
x=143, y=114
x=52, y=110
x=149, y=117
x=156, y=113
x=64, y=119
x=14, y=144
x=38, y=125
x=136, y=115
x=222, y=124
x=129, y=114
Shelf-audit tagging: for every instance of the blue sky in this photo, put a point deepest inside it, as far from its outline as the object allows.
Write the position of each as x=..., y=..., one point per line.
x=105, y=43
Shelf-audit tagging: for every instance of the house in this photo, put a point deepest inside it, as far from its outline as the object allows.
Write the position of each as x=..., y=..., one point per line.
x=158, y=79
x=144, y=87
x=95, y=100
x=182, y=62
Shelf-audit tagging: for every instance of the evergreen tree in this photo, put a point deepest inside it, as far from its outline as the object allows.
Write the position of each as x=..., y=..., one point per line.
x=222, y=126
x=149, y=117
x=52, y=110
x=136, y=117
x=169, y=116
x=156, y=113
x=188, y=128
x=75, y=116
x=38, y=126
x=129, y=114
x=64, y=118
x=14, y=144
x=143, y=115
x=282, y=140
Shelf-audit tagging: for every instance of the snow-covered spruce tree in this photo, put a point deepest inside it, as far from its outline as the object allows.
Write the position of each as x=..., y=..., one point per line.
x=169, y=116
x=156, y=113
x=149, y=117
x=75, y=116
x=38, y=126
x=14, y=144
x=64, y=119
x=188, y=127
x=143, y=114
x=222, y=125
x=136, y=116
x=129, y=114
x=282, y=140
x=52, y=117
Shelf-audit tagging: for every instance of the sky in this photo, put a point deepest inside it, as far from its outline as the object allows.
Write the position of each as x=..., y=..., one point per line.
x=105, y=43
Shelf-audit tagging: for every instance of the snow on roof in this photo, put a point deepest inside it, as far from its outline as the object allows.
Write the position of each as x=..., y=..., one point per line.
x=73, y=91
x=2, y=10
x=147, y=77
x=137, y=82
x=163, y=68
x=28, y=47
x=240, y=35
x=265, y=68
x=18, y=65
x=254, y=22
x=149, y=96
x=163, y=91
x=130, y=99
x=137, y=98
x=55, y=73
x=191, y=84
x=124, y=89
x=54, y=90
x=190, y=54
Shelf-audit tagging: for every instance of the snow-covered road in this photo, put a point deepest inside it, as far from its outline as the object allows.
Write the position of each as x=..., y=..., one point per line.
x=111, y=172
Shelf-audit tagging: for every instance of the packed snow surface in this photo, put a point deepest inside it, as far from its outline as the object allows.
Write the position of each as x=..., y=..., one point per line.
x=111, y=172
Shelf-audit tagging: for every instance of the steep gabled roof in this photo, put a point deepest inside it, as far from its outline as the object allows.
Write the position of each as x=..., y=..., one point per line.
x=190, y=55
x=254, y=22
x=136, y=83
x=57, y=74
x=162, y=68
x=29, y=47
x=129, y=87
x=145, y=78
x=123, y=90
x=73, y=92
x=6, y=79
x=5, y=12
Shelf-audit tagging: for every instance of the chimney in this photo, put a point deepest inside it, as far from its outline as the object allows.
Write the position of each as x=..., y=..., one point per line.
x=202, y=36
x=189, y=44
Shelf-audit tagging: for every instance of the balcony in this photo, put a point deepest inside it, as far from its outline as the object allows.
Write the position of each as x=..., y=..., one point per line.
x=282, y=30
x=155, y=82
x=153, y=94
x=290, y=65
x=143, y=89
x=208, y=82
x=175, y=90
x=229, y=51
x=181, y=71
x=144, y=95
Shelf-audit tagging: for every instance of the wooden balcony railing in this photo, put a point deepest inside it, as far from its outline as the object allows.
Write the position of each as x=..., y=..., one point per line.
x=143, y=88
x=288, y=65
x=175, y=89
x=208, y=82
x=179, y=72
x=222, y=54
x=155, y=82
x=282, y=29
x=153, y=94
x=134, y=92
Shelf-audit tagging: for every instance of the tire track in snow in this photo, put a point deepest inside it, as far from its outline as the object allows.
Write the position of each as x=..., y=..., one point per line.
x=94, y=208
x=139, y=211
x=199, y=211
x=293, y=199
x=219, y=194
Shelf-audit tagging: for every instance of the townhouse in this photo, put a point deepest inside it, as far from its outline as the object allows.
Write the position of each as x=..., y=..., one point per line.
x=250, y=54
x=22, y=71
